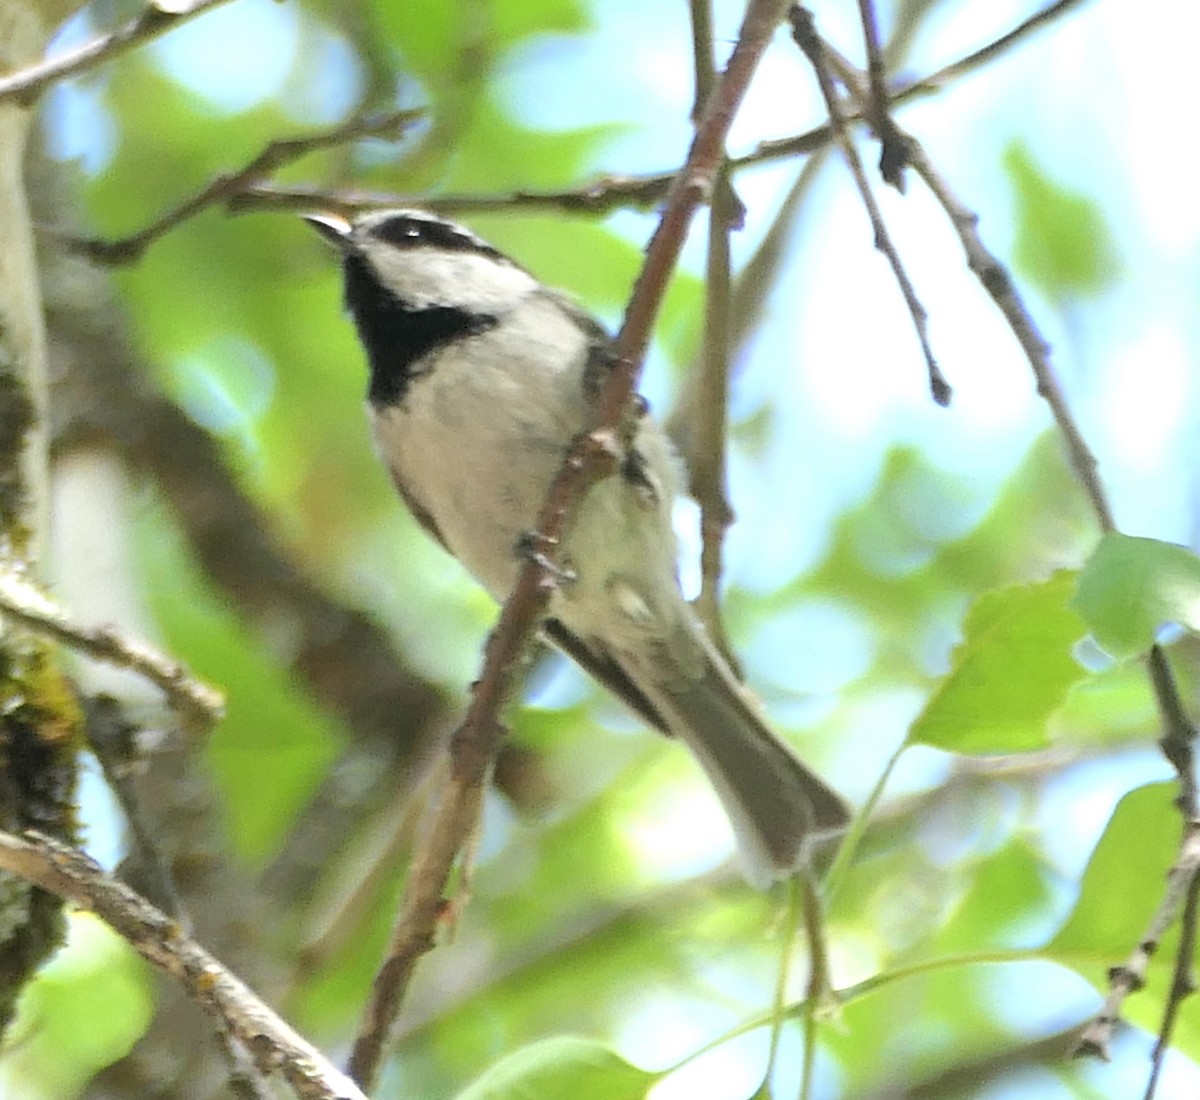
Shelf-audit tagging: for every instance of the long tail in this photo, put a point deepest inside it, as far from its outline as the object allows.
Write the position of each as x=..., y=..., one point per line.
x=775, y=804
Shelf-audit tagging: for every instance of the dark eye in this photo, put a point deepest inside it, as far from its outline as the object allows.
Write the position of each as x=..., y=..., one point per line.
x=406, y=230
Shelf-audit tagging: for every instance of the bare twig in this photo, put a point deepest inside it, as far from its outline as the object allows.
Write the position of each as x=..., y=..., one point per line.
x=1183, y=886
x=274, y=1046
x=593, y=455
x=993, y=50
x=21, y=601
x=1131, y=975
x=26, y=84
x=704, y=64
x=878, y=110
x=989, y=1068
x=1183, y=984
x=819, y=997
x=710, y=426
x=996, y=281
x=748, y=299
x=612, y=192
x=1177, y=741
x=934, y=82
x=600, y=196
x=804, y=32
x=223, y=187
x=707, y=484
x=244, y=189
x=1179, y=733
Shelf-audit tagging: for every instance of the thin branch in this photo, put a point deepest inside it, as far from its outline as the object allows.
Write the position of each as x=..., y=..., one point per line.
x=26, y=84
x=892, y=157
x=274, y=1046
x=223, y=187
x=1179, y=733
x=710, y=427
x=934, y=82
x=606, y=193
x=988, y=1068
x=1131, y=975
x=806, y=37
x=21, y=601
x=999, y=285
x=710, y=412
x=819, y=994
x=704, y=64
x=611, y=192
x=970, y=775
x=993, y=50
x=875, y=67
x=1183, y=886
x=1183, y=984
x=748, y=300
x=600, y=196
x=594, y=454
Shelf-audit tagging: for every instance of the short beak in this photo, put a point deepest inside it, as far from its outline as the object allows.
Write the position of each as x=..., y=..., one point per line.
x=334, y=228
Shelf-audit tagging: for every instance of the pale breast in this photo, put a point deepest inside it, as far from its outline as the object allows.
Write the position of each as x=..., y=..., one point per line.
x=478, y=437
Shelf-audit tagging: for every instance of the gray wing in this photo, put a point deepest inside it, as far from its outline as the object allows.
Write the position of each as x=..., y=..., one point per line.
x=601, y=666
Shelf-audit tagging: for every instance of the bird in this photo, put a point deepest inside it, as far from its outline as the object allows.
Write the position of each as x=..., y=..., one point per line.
x=480, y=378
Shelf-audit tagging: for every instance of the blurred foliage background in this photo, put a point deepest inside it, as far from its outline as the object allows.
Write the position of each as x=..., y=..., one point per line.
x=899, y=584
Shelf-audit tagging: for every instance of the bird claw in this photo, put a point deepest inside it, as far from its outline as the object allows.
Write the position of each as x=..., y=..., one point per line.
x=533, y=546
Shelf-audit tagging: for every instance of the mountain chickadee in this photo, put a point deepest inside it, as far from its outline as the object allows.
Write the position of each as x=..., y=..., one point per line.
x=480, y=379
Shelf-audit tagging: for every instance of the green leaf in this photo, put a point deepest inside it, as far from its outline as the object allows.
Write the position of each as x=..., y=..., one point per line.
x=561, y=1067
x=434, y=36
x=1009, y=674
x=82, y=1012
x=1131, y=586
x=493, y=151
x=1062, y=243
x=513, y=20
x=1005, y=891
x=1123, y=884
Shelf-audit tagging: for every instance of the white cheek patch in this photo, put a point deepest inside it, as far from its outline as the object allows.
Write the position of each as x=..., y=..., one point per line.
x=424, y=277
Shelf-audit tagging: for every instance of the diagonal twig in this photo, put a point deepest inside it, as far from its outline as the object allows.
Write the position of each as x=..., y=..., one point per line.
x=273, y=1045
x=999, y=285
x=610, y=192
x=709, y=429
x=21, y=601
x=222, y=187
x=26, y=84
x=1179, y=733
x=806, y=37
x=892, y=157
x=593, y=455
x=1183, y=984
x=1130, y=976
x=931, y=84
